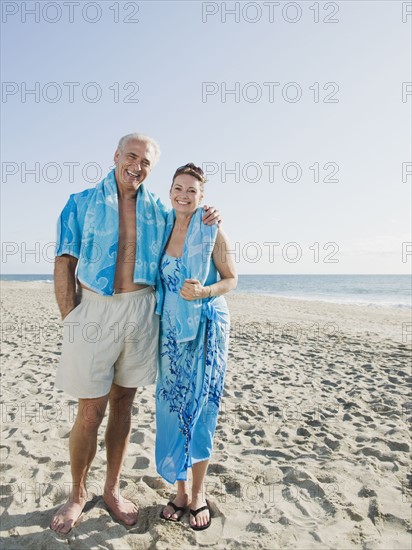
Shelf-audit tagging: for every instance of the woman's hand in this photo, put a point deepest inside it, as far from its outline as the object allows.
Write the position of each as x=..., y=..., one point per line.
x=192, y=290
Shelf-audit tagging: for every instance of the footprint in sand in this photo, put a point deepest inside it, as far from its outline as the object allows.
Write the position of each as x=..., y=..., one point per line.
x=155, y=483
x=141, y=463
x=216, y=469
x=4, y=452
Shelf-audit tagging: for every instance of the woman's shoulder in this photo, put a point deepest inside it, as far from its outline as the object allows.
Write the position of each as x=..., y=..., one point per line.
x=221, y=234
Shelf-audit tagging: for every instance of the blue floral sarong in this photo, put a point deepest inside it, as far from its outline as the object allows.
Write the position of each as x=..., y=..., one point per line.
x=191, y=377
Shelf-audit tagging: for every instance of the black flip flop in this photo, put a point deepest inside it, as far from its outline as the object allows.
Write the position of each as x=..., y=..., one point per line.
x=176, y=509
x=194, y=514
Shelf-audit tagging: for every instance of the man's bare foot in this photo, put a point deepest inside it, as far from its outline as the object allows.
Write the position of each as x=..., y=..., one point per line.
x=169, y=513
x=202, y=518
x=66, y=516
x=123, y=509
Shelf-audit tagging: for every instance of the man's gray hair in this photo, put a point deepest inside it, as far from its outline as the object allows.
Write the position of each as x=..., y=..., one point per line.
x=144, y=139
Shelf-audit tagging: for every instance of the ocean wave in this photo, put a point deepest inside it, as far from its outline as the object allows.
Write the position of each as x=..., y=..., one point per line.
x=332, y=299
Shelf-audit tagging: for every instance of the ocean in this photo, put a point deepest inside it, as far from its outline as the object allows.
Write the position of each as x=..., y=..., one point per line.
x=376, y=290
x=371, y=290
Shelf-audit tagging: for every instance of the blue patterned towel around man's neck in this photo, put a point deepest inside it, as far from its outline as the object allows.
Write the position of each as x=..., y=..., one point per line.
x=100, y=236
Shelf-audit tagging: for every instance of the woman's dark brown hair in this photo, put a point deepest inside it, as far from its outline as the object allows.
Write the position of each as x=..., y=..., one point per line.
x=192, y=170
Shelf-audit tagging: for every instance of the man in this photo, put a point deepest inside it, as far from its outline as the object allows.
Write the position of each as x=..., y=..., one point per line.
x=110, y=241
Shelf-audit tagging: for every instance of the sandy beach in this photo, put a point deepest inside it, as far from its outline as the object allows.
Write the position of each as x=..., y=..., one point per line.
x=312, y=449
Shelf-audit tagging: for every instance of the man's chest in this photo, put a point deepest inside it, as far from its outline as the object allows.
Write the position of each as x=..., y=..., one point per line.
x=127, y=225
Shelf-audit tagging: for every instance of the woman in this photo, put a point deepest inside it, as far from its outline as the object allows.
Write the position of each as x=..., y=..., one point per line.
x=193, y=344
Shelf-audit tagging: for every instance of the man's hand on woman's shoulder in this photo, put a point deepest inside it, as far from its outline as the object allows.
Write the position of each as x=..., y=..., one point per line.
x=212, y=215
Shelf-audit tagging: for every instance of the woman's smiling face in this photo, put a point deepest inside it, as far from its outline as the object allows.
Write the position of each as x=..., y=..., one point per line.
x=185, y=193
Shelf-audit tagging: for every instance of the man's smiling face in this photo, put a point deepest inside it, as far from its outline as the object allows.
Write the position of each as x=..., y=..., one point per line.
x=133, y=164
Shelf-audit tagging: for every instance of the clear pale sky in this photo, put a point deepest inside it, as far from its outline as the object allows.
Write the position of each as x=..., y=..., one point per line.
x=180, y=60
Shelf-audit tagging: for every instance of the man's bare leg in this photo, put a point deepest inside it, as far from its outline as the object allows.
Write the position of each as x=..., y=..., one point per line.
x=82, y=446
x=117, y=439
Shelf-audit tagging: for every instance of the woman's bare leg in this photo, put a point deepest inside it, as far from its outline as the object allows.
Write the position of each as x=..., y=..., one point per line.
x=198, y=494
x=181, y=500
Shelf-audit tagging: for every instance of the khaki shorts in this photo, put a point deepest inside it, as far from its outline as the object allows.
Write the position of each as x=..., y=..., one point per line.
x=109, y=339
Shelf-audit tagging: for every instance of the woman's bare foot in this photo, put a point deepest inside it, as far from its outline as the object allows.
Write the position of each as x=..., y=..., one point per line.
x=67, y=515
x=123, y=509
x=202, y=518
x=181, y=501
